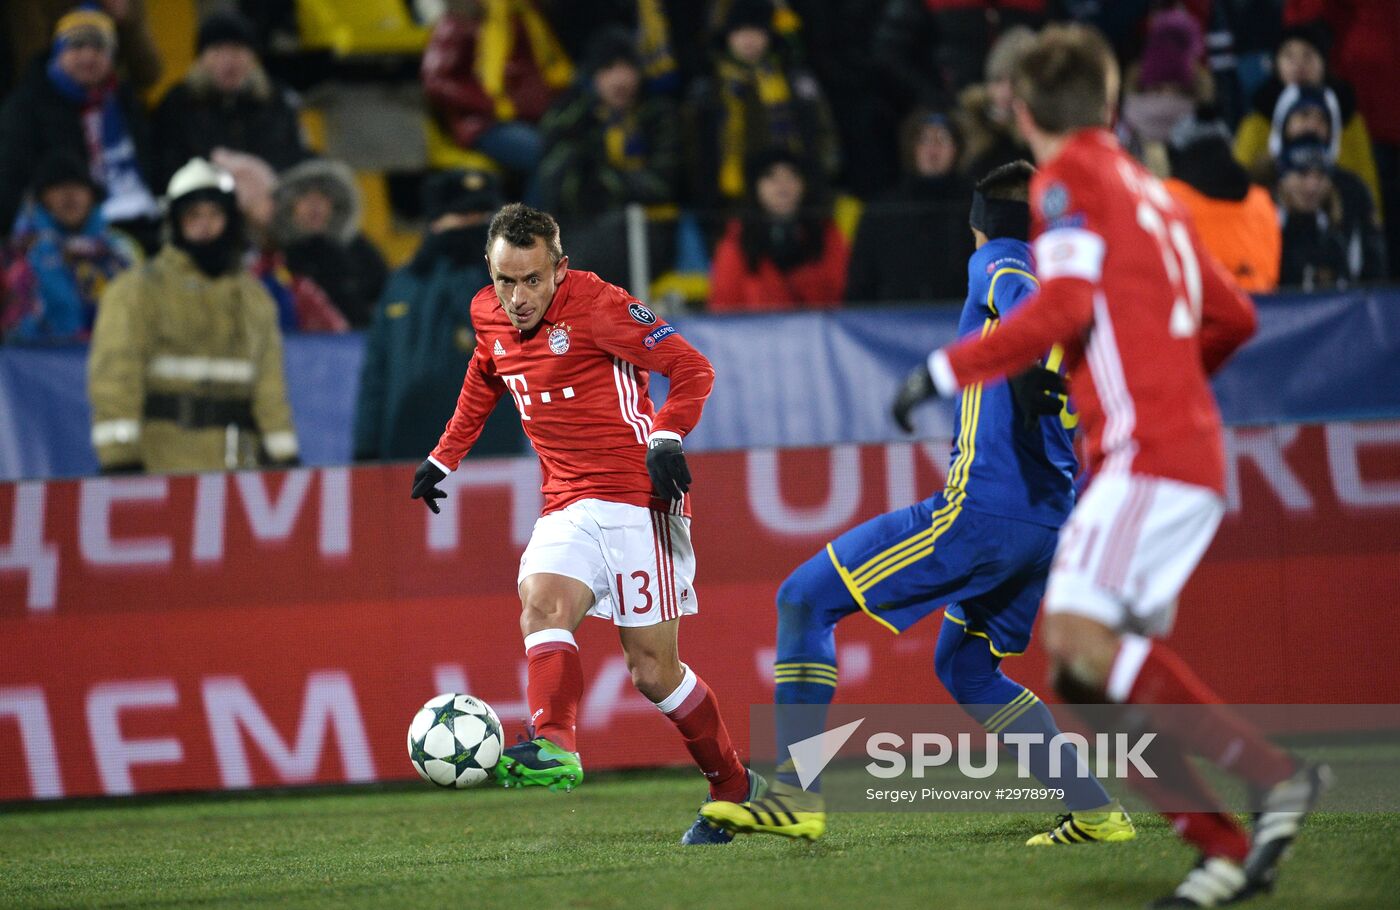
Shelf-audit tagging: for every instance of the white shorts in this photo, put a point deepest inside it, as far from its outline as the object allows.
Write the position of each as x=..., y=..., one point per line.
x=1128, y=548
x=638, y=563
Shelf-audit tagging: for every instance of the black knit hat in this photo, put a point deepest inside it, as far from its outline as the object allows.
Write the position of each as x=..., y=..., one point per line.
x=226, y=27
x=609, y=46
x=749, y=14
x=460, y=192
x=61, y=167
x=1315, y=33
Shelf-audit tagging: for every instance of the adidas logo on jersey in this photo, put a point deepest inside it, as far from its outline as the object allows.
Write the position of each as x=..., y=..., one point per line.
x=499, y=350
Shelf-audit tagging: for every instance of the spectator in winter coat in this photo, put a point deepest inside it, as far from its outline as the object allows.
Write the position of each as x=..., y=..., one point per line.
x=781, y=255
x=62, y=257
x=491, y=70
x=227, y=100
x=913, y=243
x=302, y=304
x=71, y=103
x=610, y=144
x=1164, y=87
x=1301, y=63
x=316, y=225
x=1330, y=235
x=30, y=24
x=185, y=370
x=753, y=102
x=418, y=346
x=984, y=110
x=1237, y=220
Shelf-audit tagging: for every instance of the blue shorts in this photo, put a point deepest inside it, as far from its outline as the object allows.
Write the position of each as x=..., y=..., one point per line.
x=990, y=571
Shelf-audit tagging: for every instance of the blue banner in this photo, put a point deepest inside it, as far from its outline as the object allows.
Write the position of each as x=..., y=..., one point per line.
x=802, y=379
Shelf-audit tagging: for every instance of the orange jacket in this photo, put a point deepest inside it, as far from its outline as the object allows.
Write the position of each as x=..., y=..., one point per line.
x=1244, y=236
x=819, y=284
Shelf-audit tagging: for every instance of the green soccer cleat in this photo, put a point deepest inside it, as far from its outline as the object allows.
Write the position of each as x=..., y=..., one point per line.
x=785, y=811
x=1087, y=828
x=539, y=763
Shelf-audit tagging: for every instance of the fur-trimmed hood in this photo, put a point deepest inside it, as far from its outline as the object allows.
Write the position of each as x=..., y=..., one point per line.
x=336, y=180
x=201, y=84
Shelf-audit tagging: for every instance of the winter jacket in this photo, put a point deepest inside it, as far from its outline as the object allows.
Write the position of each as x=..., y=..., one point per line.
x=37, y=120
x=1363, y=54
x=53, y=278
x=185, y=371
x=194, y=118
x=1354, y=146
x=1337, y=246
x=342, y=261
x=416, y=353
x=816, y=284
x=533, y=71
x=1242, y=234
x=913, y=244
x=596, y=160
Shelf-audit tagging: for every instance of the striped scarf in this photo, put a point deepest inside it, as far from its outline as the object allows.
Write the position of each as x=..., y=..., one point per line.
x=740, y=84
x=496, y=45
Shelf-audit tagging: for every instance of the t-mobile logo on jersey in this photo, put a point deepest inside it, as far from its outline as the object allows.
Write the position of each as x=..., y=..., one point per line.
x=520, y=391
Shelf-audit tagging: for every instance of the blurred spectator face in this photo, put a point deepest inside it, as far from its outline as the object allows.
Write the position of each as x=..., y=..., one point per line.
x=1308, y=121
x=312, y=212
x=229, y=65
x=780, y=191
x=617, y=84
x=1304, y=191
x=87, y=59
x=1299, y=63
x=203, y=221
x=70, y=204
x=935, y=151
x=748, y=44
x=999, y=93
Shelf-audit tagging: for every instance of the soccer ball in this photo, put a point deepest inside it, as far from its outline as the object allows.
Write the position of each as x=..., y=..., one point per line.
x=455, y=741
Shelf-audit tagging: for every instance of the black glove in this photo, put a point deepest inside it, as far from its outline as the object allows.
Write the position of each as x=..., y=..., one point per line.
x=666, y=464
x=918, y=387
x=425, y=485
x=126, y=467
x=1037, y=392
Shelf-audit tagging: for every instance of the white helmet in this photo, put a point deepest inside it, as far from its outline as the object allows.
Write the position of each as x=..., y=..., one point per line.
x=196, y=175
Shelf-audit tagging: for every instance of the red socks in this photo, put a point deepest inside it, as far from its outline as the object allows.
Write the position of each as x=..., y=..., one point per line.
x=1150, y=673
x=555, y=686
x=694, y=710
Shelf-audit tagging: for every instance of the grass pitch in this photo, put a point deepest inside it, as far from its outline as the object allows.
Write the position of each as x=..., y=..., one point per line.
x=612, y=843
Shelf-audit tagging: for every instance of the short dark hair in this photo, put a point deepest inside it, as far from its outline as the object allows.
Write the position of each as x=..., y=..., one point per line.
x=1009, y=181
x=521, y=225
x=1068, y=79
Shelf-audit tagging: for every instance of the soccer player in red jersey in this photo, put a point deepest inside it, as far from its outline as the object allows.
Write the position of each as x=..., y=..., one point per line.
x=1144, y=316
x=613, y=541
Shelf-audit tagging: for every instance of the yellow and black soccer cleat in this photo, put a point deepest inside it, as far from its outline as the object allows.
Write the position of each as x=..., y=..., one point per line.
x=785, y=811
x=1078, y=828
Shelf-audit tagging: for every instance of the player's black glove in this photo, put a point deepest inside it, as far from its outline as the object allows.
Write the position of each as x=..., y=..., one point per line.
x=1037, y=392
x=670, y=476
x=425, y=485
x=918, y=387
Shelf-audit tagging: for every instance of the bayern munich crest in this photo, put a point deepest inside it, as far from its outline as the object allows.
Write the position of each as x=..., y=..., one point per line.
x=559, y=339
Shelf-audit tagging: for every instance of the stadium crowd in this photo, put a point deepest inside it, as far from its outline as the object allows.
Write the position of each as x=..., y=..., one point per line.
x=787, y=154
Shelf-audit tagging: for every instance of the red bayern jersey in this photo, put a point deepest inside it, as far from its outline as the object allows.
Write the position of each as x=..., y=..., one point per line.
x=1142, y=310
x=579, y=381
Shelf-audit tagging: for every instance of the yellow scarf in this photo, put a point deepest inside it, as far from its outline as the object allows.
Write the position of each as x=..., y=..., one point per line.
x=496, y=43
x=654, y=39
x=771, y=88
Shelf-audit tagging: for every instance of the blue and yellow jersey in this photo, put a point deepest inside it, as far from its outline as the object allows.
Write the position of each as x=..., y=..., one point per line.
x=998, y=466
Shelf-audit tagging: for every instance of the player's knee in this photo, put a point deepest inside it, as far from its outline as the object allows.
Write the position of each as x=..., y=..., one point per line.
x=537, y=613
x=654, y=675
x=1081, y=655
x=944, y=665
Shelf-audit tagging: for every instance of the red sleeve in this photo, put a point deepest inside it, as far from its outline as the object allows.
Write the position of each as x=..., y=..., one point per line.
x=1057, y=314
x=727, y=273
x=657, y=347
x=836, y=256
x=1227, y=315
x=481, y=389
